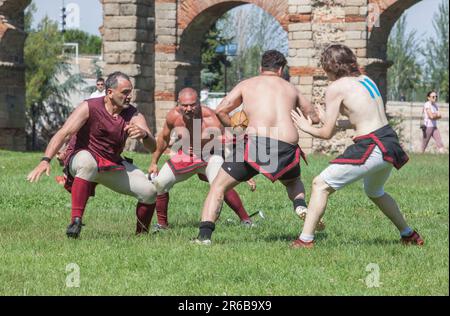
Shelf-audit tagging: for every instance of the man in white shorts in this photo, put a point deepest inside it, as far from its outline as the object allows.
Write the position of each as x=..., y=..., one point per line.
x=375, y=152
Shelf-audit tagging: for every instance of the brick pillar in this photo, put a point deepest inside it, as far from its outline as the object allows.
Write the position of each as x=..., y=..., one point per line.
x=128, y=46
x=165, y=60
x=12, y=75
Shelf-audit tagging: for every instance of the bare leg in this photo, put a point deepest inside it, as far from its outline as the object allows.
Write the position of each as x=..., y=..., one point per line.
x=317, y=204
x=213, y=203
x=295, y=188
x=390, y=208
x=296, y=192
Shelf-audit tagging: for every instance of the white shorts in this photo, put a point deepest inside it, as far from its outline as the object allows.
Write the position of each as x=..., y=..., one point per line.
x=131, y=181
x=166, y=179
x=375, y=172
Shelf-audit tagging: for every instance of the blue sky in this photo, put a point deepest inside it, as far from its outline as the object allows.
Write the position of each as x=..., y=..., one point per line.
x=419, y=16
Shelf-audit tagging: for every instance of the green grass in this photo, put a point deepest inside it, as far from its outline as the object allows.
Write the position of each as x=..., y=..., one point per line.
x=34, y=250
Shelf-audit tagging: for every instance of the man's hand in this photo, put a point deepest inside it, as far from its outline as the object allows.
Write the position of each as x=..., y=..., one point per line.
x=42, y=167
x=302, y=123
x=153, y=169
x=252, y=184
x=135, y=132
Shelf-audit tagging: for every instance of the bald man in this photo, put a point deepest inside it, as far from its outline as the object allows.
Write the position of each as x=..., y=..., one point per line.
x=198, y=150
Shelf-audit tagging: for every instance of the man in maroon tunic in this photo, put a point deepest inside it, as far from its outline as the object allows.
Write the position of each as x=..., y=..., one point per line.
x=98, y=129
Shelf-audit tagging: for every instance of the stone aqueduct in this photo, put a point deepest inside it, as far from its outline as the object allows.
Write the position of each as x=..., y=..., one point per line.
x=157, y=42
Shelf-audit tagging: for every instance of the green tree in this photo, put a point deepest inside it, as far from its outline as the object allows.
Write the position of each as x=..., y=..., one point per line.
x=212, y=74
x=435, y=52
x=405, y=75
x=49, y=80
x=254, y=31
x=88, y=44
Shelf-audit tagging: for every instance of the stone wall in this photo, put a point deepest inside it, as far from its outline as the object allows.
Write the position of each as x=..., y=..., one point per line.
x=409, y=116
x=12, y=75
x=157, y=42
x=128, y=46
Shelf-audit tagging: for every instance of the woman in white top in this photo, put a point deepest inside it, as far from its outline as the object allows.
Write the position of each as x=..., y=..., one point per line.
x=430, y=116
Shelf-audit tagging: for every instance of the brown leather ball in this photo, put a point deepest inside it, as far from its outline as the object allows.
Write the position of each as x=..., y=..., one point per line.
x=239, y=119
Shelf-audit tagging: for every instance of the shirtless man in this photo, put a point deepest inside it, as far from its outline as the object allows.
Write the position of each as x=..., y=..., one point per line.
x=98, y=129
x=375, y=152
x=189, y=160
x=268, y=100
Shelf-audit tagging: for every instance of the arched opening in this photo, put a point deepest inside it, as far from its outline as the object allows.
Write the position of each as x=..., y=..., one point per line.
x=378, y=39
x=188, y=72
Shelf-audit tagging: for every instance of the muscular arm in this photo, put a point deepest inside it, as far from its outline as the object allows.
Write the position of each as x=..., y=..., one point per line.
x=333, y=100
x=307, y=109
x=149, y=142
x=73, y=124
x=228, y=104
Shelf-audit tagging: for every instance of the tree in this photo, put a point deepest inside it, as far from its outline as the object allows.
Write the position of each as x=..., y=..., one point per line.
x=212, y=73
x=405, y=75
x=49, y=80
x=435, y=52
x=88, y=44
x=254, y=31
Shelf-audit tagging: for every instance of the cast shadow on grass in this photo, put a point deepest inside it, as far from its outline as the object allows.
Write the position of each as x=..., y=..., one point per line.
x=291, y=237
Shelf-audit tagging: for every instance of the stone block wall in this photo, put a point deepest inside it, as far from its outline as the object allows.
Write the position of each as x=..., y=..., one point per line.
x=12, y=75
x=157, y=42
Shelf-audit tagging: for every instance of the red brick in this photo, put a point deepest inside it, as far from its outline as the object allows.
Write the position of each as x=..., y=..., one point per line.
x=300, y=18
x=164, y=96
x=305, y=71
x=168, y=49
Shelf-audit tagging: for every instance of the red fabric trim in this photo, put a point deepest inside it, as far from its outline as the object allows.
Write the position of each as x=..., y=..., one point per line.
x=188, y=169
x=382, y=148
x=107, y=165
x=183, y=167
x=266, y=173
x=359, y=161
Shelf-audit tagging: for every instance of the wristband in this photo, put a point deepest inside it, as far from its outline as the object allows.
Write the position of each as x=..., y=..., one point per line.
x=46, y=159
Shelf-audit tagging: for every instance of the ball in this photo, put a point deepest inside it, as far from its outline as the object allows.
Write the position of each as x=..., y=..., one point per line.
x=239, y=119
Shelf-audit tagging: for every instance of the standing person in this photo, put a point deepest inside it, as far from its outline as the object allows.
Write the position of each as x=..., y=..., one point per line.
x=99, y=128
x=268, y=100
x=371, y=158
x=184, y=164
x=431, y=115
x=100, y=89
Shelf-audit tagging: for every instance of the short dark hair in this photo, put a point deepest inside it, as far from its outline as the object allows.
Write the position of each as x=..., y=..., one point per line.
x=340, y=60
x=273, y=60
x=430, y=92
x=111, y=81
x=100, y=79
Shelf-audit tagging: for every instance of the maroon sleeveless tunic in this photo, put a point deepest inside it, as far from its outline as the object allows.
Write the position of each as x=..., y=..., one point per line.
x=102, y=135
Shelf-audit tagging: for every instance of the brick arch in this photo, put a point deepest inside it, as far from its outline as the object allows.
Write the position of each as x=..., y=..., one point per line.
x=195, y=18
x=386, y=13
x=190, y=9
x=389, y=12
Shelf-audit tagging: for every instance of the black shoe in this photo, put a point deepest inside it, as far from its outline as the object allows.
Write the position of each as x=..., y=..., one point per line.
x=74, y=229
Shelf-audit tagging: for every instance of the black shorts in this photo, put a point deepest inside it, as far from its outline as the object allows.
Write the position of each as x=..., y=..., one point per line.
x=275, y=159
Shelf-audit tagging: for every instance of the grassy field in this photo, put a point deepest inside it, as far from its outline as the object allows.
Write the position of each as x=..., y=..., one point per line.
x=358, y=244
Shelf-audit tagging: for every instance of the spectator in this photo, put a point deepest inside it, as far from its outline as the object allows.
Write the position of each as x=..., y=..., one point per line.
x=431, y=115
x=100, y=92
